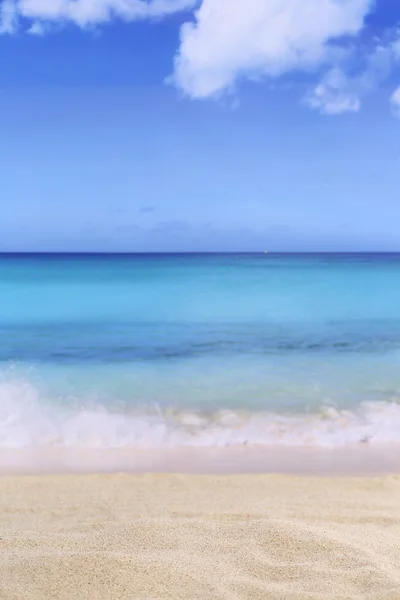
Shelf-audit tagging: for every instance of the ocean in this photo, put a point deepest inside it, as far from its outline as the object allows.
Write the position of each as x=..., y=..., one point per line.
x=198, y=350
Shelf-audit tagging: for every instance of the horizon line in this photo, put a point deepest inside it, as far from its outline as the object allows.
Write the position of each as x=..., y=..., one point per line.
x=189, y=252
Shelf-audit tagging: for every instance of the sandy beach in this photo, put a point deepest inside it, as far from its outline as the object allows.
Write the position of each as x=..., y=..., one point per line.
x=156, y=537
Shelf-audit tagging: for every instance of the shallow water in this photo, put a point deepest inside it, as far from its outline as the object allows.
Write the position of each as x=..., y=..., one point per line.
x=156, y=351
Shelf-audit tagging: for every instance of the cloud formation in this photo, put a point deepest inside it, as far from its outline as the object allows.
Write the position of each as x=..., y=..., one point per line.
x=84, y=13
x=342, y=88
x=395, y=102
x=8, y=17
x=230, y=40
x=335, y=94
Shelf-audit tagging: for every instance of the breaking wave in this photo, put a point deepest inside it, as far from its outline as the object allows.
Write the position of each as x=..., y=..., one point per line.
x=29, y=420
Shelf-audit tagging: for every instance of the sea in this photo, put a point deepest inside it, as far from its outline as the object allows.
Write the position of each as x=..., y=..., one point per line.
x=147, y=352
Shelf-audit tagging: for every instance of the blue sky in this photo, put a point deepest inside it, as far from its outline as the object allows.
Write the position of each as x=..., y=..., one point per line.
x=221, y=125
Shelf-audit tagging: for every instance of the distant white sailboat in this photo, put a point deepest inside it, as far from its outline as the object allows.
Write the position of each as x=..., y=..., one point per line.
x=266, y=251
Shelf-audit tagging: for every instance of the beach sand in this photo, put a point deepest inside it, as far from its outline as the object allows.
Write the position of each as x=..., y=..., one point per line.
x=199, y=537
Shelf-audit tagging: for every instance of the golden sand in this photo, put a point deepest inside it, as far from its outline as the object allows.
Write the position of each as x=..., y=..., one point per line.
x=154, y=537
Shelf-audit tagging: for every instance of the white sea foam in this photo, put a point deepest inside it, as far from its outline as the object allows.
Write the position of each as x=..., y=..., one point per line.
x=27, y=420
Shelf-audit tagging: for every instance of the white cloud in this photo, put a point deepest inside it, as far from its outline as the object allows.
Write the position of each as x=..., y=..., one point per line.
x=8, y=17
x=396, y=48
x=86, y=12
x=395, y=102
x=230, y=39
x=334, y=95
x=37, y=29
x=341, y=91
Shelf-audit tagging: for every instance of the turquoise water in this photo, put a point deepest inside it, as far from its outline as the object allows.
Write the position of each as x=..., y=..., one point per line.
x=203, y=350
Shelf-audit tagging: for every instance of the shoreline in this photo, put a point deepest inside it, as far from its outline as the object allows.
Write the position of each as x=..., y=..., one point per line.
x=196, y=537
x=350, y=461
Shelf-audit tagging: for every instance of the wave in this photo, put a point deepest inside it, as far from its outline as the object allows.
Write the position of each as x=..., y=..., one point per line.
x=28, y=420
x=73, y=342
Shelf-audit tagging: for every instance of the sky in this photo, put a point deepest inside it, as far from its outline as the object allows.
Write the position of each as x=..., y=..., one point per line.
x=199, y=125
